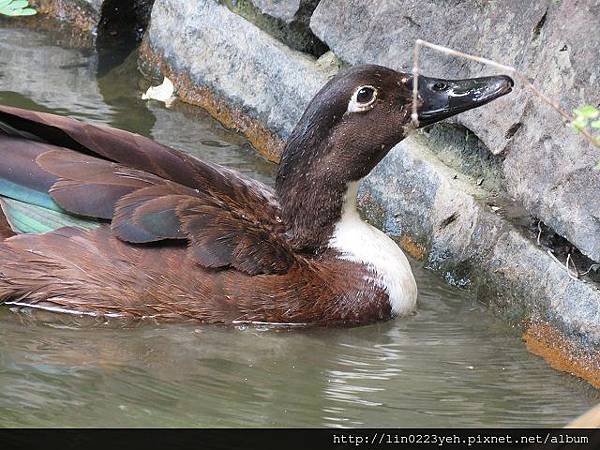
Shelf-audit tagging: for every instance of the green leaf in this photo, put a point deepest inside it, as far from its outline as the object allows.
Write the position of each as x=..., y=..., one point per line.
x=595, y=124
x=587, y=111
x=16, y=8
x=19, y=12
x=19, y=4
x=27, y=12
x=579, y=123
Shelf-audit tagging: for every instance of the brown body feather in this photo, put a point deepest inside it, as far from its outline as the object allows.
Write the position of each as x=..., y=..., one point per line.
x=186, y=239
x=94, y=272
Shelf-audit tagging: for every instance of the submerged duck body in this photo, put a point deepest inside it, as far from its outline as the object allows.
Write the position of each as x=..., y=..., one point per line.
x=179, y=238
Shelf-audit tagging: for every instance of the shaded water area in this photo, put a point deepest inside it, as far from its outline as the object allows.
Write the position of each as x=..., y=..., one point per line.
x=451, y=364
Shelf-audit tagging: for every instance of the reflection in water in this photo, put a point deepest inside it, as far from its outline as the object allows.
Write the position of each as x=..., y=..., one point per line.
x=116, y=87
x=38, y=75
x=451, y=364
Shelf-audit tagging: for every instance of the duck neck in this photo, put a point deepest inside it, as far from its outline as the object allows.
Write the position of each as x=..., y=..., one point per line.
x=312, y=204
x=318, y=163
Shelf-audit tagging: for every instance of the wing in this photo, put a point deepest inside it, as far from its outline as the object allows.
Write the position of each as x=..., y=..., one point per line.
x=138, y=152
x=149, y=192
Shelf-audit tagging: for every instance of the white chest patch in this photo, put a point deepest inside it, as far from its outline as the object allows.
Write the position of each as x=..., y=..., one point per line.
x=360, y=242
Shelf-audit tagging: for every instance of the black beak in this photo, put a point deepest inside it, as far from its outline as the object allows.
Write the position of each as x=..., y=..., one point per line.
x=439, y=99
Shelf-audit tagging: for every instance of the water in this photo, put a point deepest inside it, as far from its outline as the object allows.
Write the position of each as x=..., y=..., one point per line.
x=451, y=364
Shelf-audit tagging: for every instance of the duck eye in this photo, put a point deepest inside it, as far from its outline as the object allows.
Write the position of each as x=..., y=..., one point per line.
x=439, y=86
x=363, y=99
x=365, y=94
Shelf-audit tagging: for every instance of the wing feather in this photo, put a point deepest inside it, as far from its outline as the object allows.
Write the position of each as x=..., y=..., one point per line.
x=149, y=215
x=152, y=193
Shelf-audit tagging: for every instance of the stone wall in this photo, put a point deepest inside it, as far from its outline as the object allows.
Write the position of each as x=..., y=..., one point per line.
x=485, y=199
x=82, y=14
x=548, y=168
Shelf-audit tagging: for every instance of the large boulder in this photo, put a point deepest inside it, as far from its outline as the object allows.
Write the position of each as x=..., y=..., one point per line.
x=439, y=211
x=287, y=10
x=548, y=167
x=234, y=67
x=285, y=20
x=81, y=14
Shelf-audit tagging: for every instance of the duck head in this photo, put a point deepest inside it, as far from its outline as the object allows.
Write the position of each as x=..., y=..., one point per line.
x=348, y=127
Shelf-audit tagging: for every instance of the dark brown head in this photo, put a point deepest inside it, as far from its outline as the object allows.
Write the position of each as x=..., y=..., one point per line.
x=348, y=127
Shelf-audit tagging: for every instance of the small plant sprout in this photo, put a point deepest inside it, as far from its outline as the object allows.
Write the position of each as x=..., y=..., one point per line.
x=585, y=119
x=14, y=8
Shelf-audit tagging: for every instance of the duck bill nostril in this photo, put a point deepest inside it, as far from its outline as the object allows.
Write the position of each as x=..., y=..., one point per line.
x=441, y=99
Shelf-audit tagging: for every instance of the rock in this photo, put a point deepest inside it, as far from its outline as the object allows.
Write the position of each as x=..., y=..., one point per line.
x=444, y=217
x=285, y=20
x=81, y=14
x=234, y=66
x=383, y=32
x=107, y=17
x=287, y=10
x=329, y=64
x=548, y=167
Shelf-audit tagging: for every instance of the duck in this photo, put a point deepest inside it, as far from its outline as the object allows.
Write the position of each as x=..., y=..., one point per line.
x=159, y=234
